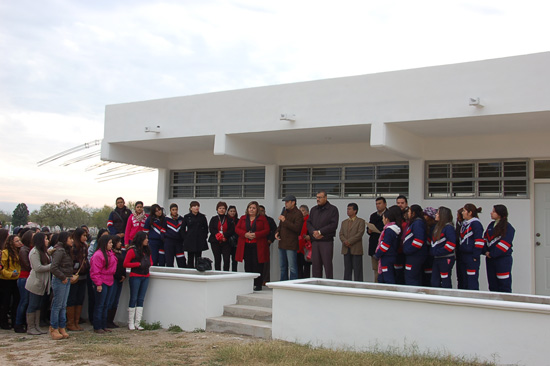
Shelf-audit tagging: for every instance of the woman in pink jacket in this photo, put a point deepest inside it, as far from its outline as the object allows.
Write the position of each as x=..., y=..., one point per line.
x=103, y=268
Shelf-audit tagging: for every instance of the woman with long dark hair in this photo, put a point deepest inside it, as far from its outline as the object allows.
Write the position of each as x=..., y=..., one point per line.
x=388, y=244
x=470, y=248
x=195, y=225
x=120, y=276
x=62, y=271
x=233, y=216
x=89, y=284
x=498, y=250
x=415, y=246
x=24, y=251
x=81, y=267
x=38, y=282
x=9, y=294
x=443, y=248
x=221, y=229
x=102, y=270
x=253, y=230
x=155, y=227
x=138, y=259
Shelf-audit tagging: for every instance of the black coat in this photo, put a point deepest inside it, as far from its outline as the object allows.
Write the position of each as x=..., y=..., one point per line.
x=196, y=232
x=213, y=228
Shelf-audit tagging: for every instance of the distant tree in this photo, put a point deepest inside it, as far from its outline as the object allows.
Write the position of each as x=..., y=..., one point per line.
x=100, y=216
x=36, y=217
x=5, y=218
x=65, y=214
x=20, y=215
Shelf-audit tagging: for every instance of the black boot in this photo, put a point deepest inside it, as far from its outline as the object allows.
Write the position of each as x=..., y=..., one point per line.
x=20, y=328
x=111, y=318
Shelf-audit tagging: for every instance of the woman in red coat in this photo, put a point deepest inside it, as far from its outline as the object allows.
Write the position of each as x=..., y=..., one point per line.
x=253, y=230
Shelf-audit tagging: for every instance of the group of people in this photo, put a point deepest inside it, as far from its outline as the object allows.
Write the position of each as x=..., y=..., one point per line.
x=45, y=276
x=41, y=272
x=414, y=246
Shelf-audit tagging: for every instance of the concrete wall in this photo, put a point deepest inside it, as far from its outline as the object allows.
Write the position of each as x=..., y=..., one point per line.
x=186, y=297
x=338, y=314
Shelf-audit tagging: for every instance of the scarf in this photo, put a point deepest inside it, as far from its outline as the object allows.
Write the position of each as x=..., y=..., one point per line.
x=140, y=217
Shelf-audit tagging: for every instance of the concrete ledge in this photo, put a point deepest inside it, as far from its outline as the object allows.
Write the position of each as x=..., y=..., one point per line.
x=186, y=297
x=506, y=328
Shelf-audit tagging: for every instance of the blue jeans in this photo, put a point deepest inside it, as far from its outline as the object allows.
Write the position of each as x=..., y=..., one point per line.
x=102, y=300
x=58, y=316
x=138, y=289
x=288, y=259
x=35, y=303
x=21, y=317
x=116, y=290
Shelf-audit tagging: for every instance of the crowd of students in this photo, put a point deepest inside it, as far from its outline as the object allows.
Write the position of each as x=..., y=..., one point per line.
x=421, y=246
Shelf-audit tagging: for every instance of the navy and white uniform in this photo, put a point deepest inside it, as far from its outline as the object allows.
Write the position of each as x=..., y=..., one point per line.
x=156, y=229
x=416, y=250
x=386, y=251
x=499, y=265
x=443, y=250
x=470, y=248
x=173, y=242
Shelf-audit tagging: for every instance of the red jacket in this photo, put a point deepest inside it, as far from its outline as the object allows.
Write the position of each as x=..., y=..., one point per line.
x=262, y=231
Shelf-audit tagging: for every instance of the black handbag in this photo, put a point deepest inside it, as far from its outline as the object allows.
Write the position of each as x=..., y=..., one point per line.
x=204, y=264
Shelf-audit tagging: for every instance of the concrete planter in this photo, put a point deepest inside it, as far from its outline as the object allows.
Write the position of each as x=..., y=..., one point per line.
x=186, y=297
x=506, y=328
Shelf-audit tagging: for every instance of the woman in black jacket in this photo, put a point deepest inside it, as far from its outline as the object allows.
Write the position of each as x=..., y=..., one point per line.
x=221, y=229
x=196, y=232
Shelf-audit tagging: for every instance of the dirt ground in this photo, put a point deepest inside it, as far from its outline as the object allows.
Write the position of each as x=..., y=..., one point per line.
x=121, y=347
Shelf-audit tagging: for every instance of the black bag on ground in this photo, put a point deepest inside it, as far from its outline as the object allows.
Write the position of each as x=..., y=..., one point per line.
x=204, y=264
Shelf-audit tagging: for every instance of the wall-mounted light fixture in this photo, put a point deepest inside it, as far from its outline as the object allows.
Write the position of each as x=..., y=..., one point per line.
x=475, y=102
x=152, y=129
x=288, y=117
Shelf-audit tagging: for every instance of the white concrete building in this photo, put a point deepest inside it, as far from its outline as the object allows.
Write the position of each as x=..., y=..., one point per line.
x=446, y=135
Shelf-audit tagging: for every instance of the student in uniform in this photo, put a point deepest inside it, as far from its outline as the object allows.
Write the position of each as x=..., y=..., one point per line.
x=471, y=246
x=498, y=250
x=388, y=244
x=415, y=246
x=443, y=248
x=155, y=227
x=173, y=240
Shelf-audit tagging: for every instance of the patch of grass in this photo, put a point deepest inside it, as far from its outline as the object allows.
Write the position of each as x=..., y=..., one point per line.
x=198, y=330
x=150, y=326
x=285, y=354
x=175, y=328
x=173, y=344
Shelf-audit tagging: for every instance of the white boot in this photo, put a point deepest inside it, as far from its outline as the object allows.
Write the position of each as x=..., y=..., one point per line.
x=131, y=317
x=139, y=313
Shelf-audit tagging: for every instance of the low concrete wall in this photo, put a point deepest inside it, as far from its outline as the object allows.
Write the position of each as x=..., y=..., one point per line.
x=505, y=328
x=186, y=297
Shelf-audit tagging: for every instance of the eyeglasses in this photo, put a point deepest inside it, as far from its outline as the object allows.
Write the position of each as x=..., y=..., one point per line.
x=319, y=197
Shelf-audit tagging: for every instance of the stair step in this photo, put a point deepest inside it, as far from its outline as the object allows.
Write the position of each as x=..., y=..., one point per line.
x=256, y=299
x=248, y=312
x=250, y=327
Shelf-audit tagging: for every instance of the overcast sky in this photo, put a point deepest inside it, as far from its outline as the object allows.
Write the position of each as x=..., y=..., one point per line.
x=62, y=61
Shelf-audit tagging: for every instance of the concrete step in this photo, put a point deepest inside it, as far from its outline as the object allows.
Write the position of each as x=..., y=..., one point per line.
x=262, y=299
x=250, y=327
x=248, y=312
